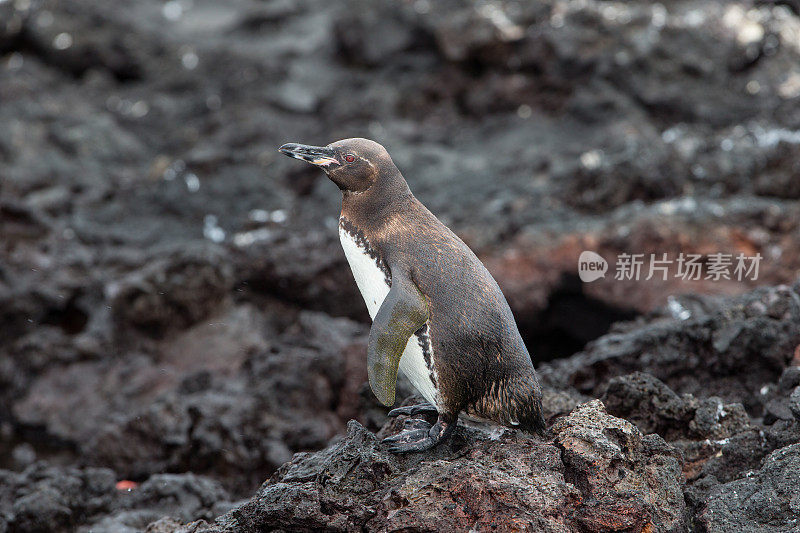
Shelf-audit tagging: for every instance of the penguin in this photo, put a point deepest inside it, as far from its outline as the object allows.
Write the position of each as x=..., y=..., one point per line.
x=437, y=313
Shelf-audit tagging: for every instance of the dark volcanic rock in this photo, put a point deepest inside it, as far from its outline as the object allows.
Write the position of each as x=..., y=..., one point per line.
x=718, y=441
x=730, y=348
x=45, y=498
x=655, y=408
x=158, y=257
x=783, y=410
x=650, y=404
x=279, y=400
x=765, y=500
x=628, y=481
x=173, y=291
x=600, y=474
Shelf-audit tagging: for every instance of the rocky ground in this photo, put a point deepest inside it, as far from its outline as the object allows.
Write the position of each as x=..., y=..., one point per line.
x=179, y=324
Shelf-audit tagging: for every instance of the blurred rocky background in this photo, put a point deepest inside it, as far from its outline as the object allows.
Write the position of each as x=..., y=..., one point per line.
x=177, y=319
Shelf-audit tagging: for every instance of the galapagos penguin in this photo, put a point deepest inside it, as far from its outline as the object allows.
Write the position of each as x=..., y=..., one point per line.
x=438, y=314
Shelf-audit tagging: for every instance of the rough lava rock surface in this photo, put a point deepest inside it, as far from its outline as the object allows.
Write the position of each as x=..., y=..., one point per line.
x=765, y=500
x=598, y=474
x=661, y=461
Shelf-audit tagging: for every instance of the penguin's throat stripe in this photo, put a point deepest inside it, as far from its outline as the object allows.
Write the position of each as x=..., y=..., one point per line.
x=363, y=243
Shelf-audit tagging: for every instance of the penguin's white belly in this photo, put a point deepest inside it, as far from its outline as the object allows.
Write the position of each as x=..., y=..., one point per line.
x=374, y=287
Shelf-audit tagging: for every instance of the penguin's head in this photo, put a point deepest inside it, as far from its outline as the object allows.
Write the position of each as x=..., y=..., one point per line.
x=354, y=165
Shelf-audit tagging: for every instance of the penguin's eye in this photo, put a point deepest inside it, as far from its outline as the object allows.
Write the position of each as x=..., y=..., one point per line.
x=349, y=158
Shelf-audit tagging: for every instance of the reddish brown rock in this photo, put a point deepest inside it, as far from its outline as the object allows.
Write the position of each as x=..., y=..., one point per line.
x=536, y=264
x=599, y=474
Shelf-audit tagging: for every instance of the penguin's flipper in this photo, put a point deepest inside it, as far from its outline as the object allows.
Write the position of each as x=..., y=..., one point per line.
x=402, y=313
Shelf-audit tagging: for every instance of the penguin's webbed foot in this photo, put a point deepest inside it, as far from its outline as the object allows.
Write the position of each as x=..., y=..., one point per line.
x=419, y=435
x=410, y=410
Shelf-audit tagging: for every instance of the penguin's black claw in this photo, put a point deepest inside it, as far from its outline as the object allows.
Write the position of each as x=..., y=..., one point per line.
x=418, y=435
x=410, y=410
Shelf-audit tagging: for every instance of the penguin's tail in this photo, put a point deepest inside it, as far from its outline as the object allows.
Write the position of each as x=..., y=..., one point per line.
x=529, y=408
x=533, y=420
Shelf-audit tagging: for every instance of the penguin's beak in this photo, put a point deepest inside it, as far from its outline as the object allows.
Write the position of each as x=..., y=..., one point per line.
x=316, y=155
